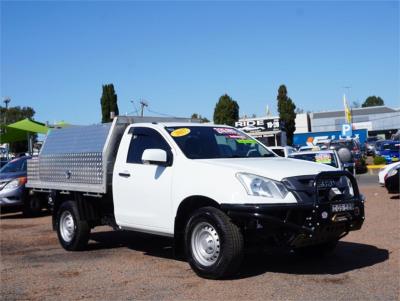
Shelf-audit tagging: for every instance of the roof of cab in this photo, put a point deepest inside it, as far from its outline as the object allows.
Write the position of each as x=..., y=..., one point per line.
x=182, y=124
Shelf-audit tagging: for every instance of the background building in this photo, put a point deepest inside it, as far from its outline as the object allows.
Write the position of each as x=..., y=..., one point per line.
x=382, y=120
x=266, y=129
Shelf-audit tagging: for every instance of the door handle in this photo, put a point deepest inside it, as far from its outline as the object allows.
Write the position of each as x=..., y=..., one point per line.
x=124, y=174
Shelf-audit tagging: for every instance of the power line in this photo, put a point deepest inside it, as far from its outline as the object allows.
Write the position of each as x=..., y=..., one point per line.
x=134, y=107
x=158, y=113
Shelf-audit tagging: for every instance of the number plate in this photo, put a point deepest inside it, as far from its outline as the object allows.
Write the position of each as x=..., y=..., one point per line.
x=342, y=207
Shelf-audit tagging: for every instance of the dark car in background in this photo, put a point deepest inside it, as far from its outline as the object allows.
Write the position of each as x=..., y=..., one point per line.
x=13, y=177
x=355, y=149
x=392, y=180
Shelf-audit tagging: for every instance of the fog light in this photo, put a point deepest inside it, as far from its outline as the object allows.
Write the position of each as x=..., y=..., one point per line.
x=356, y=211
x=324, y=215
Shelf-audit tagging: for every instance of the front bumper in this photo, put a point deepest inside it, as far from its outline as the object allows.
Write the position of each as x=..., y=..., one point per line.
x=303, y=223
x=13, y=197
x=308, y=224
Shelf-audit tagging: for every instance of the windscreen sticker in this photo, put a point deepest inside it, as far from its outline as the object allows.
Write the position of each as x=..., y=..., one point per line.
x=323, y=158
x=226, y=131
x=236, y=137
x=246, y=141
x=180, y=132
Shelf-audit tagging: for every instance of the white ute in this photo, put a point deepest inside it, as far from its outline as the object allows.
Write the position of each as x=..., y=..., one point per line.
x=213, y=188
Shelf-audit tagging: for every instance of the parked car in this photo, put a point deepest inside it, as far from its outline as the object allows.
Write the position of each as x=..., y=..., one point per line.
x=392, y=180
x=13, y=193
x=390, y=150
x=210, y=187
x=378, y=146
x=370, y=145
x=328, y=157
x=383, y=172
x=282, y=151
x=354, y=146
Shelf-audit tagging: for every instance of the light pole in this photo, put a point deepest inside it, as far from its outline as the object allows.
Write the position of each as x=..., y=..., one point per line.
x=6, y=101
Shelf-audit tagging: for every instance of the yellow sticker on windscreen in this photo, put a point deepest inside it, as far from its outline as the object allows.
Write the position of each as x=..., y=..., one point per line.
x=180, y=132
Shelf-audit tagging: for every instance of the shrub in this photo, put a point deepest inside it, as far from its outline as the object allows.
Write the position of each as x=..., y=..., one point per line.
x=379, y=160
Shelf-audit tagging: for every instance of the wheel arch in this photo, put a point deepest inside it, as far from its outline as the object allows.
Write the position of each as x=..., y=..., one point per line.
x=86, y=209
x=183, y=213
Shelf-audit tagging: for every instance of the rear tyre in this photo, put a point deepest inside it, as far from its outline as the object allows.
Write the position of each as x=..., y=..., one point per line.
x=73, y=233
x=213, y=244
x=32, y=206
x=319, y=250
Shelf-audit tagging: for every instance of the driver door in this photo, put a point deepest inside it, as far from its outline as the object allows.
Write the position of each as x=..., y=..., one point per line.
x=142, y=193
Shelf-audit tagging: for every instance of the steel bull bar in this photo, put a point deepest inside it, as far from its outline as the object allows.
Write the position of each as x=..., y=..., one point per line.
x=328, y=213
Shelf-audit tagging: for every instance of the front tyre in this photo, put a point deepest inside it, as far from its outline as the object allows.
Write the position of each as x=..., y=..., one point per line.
x=213, y=244
x=72, y=232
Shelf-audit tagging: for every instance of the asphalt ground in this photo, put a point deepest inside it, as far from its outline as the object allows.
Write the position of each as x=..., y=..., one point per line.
x=128, y=265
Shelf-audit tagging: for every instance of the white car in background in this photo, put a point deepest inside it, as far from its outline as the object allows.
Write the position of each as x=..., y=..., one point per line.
x=283, y=151
x=252, y=128
x=383, y=172
x=327, y=157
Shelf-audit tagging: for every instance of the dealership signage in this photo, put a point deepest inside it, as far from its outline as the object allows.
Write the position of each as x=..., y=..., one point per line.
x=258, y=125
x=322, y=137
x=346, y=130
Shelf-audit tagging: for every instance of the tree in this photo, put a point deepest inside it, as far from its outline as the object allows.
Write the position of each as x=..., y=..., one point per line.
x=372, y=101
x=355, y=104
x=14, y=114
x=199, y=117
x=108, y=103
x=226, y=111
x=287, y=114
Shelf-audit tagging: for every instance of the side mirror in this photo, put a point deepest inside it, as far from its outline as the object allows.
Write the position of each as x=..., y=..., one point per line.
x=155, y=156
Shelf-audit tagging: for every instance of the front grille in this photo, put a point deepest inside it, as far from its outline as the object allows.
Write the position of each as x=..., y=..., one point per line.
x=322, y=188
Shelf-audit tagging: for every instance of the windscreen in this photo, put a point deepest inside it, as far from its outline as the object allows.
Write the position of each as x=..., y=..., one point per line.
x=323, y=158
x=395, y=146
x=15, y=165
x=216, y=142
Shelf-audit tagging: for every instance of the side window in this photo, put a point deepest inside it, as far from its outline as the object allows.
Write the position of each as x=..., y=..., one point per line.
x=142, y=139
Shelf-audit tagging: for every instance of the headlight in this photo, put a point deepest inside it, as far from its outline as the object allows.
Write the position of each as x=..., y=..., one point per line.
x=260, y=186
x=15, y=183
x=392, y=172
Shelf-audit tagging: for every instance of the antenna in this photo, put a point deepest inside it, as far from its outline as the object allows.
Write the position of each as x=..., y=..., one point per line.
x=143, y=103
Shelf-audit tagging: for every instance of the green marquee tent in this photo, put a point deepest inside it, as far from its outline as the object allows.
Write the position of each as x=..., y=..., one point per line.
x=8, y=135
x=20, y=130
x=29, y=125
